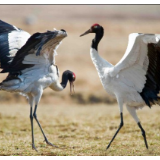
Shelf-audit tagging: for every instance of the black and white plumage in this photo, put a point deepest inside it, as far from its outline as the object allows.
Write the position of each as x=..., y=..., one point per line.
x=12, y=39
x=30, y=63
x=135, y=79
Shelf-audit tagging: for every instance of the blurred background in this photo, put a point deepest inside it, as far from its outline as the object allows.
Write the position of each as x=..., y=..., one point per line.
x=73, y=54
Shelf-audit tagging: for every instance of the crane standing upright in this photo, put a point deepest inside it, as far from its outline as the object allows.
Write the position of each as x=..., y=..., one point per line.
x=135, y=79
x=30, y=63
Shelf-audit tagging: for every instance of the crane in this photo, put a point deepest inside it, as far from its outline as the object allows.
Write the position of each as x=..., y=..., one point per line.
x=30, y=64
x=135, y=79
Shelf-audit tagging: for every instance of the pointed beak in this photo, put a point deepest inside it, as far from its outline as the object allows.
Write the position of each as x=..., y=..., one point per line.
x=89, y=31
x=71, y=88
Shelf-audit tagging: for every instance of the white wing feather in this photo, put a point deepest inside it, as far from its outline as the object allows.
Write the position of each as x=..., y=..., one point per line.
x=41, y=64
x=16, y=40
x=131, y=69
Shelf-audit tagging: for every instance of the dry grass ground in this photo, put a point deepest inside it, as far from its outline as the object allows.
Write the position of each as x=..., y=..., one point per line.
x=78, y=130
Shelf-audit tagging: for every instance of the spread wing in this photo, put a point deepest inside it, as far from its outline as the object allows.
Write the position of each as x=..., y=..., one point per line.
x=11, y=40
x=139, y=68
x=37, y=54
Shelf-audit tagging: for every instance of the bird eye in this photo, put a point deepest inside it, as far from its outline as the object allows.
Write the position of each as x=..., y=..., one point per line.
x=73, y=77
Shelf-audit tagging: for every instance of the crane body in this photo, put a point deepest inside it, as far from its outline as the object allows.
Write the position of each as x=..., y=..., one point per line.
x=30, y=64
x=135, y=79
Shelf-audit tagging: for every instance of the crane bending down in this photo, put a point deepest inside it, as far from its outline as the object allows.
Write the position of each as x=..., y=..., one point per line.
x=135, y=79
x=30, y=62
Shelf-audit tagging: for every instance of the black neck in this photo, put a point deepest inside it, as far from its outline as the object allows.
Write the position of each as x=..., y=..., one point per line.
x=64, y=81
x=98, y=37
x=65, y=78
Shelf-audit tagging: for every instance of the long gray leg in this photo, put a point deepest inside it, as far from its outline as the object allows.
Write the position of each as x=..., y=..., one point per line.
x=45, y=138
x=31, y=118
x=120, y=103
x=120, y=126
x=133, y=113
x=30, y=100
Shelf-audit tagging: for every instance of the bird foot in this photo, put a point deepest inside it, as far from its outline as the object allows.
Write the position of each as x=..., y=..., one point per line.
x=50, y=144
x=107, y=147
x=33, y=147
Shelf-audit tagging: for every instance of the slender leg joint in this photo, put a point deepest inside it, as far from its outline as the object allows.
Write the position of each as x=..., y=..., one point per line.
x=120, y=126
x=31, y=117
x=34, y=115
x=143, y=134
x=45, y=138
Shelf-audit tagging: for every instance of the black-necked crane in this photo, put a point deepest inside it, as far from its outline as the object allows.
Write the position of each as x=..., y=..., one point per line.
x=30, y=63
x=135, y=79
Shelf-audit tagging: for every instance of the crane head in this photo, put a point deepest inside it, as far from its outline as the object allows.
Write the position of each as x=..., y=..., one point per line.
x=71, y=78
x=94, y=28
x=68, y=76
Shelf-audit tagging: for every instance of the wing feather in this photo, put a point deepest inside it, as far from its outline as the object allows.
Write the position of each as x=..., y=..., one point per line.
x=128, y=59
x=11, y=40
x=139, y=68
x=39, y=49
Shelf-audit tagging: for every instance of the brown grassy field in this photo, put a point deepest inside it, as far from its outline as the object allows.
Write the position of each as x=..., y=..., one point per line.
x=78, y=131
x=84, y=123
